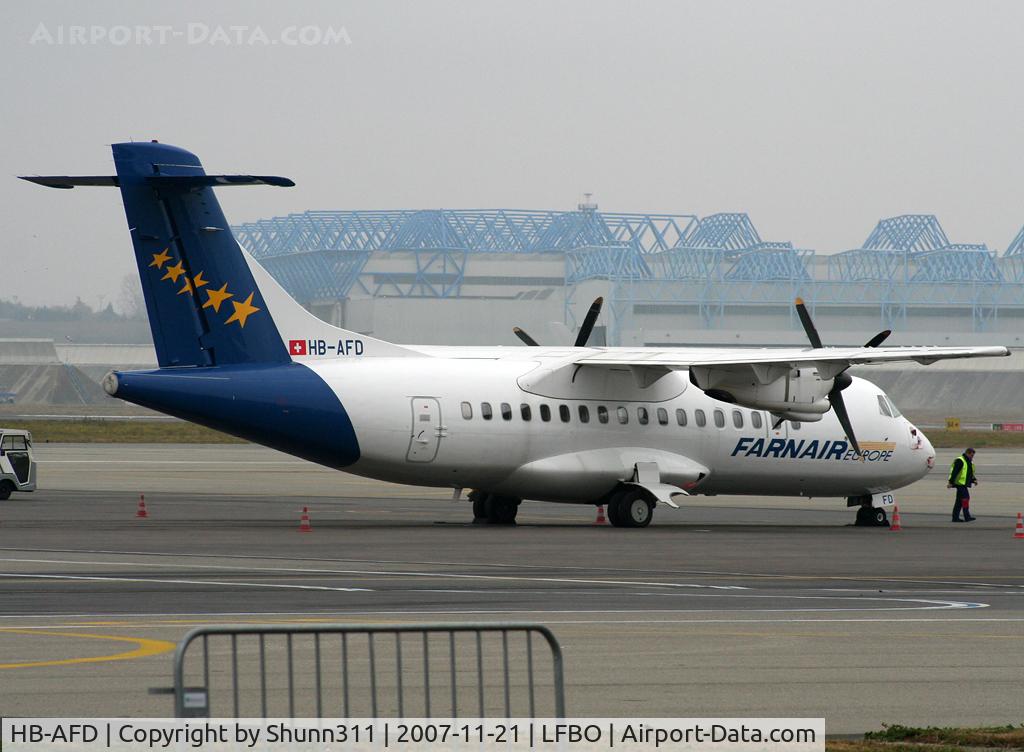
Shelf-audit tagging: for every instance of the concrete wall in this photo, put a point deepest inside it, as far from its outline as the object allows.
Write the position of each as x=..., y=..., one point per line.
x=111, y=356
x=27, y=351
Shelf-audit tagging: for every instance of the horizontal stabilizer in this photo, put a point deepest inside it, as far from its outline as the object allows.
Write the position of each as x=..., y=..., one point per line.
x=69, y=181
x=184, y=182
x=213, y=181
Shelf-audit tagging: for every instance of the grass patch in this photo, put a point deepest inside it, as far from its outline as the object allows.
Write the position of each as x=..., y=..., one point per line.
x=932, y=739
x=843, y=745
x=124, y=432
x=942, y=439
x=1002, y=737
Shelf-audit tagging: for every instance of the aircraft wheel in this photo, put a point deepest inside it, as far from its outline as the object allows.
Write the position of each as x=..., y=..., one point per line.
x=501, y=510
x=871, y=517
x=612, y=508
x=479, y=499
x=639, y=511
x=632, y=509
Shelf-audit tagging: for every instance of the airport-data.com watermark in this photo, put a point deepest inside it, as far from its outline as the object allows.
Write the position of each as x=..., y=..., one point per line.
x=193, y=33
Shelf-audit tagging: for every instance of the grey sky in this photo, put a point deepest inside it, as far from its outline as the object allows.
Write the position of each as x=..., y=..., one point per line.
x=817, y=117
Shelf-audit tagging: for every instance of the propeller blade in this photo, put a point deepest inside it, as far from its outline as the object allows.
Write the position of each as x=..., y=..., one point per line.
x=878, y=338
x=778, y=423
x=805, y=319
x=839, y=408
x=835, y=398
x=526, y=338
x=588, y=323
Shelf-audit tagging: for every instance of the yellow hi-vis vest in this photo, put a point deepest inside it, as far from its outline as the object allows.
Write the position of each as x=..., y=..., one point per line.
x=960, y=479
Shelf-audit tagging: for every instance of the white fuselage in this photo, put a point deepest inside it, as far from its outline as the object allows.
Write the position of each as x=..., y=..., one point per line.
x=409, y=418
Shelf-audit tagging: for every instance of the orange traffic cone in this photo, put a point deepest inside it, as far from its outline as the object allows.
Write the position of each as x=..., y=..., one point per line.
x=304, y=526
x=141, y=511
x=895, y=526
x=600, y=516
x=1019, y=532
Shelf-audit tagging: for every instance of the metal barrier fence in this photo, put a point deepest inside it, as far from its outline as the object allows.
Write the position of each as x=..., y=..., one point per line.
x=487, y=669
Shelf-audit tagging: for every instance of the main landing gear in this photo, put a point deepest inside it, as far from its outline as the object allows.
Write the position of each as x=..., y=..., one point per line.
x=629, y=507
x=492, y=509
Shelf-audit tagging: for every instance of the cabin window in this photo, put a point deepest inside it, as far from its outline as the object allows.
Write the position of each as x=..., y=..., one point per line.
x=563, y=413
x=545, y=413
x=642, y=416
x=719, y=419
x=737, y=419
x=795, y=425
x=623, y=414
x=485, y=410
x=467, y=411
x=755, y=420
x=662, y=416
x=883, y=406
x=584, y=414
x=506, y=411
x=700, y=417
x=602, y=414
x=525, y=412
x=681, y=416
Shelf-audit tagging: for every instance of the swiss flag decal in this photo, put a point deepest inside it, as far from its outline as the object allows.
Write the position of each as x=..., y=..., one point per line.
x=297, y=346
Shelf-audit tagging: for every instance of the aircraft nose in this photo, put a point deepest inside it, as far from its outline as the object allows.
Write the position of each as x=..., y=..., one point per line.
x=927, y=450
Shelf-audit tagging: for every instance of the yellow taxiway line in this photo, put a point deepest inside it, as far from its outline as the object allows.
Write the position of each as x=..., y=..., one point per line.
x=144, y=649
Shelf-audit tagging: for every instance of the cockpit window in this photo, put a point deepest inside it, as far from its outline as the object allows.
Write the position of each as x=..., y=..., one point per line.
x=892, y=407
x=883, y=406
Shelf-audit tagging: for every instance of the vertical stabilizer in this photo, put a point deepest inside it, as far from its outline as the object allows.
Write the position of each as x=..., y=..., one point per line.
x=203, y=303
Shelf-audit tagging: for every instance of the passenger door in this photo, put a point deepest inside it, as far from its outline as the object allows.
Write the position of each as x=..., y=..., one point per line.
x=427, y=430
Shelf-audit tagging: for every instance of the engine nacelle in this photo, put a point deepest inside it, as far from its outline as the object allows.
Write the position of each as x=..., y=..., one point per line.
x=791, y=393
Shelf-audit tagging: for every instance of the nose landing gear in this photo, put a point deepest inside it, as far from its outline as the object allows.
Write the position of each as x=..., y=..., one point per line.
x=868, y=516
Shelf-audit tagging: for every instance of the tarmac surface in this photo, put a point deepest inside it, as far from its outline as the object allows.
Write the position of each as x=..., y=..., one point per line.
x=730, y=606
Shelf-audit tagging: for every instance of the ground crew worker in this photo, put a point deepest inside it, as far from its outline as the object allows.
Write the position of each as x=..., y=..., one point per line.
x=961, y=477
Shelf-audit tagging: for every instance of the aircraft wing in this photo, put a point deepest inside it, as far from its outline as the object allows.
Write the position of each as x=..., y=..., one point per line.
x=830, y=357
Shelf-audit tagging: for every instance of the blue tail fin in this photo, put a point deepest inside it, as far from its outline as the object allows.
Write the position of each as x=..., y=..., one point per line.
x=204, y=306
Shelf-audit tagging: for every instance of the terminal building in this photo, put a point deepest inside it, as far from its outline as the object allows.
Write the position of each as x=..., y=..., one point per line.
x=449, y=276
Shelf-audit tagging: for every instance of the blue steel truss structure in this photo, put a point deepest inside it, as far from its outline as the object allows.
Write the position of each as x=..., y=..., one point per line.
x=708, y=264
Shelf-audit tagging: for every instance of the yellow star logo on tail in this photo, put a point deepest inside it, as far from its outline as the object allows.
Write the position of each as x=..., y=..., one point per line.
x=243, y=310
x=214, y=298
x=173, y=272
x=159, y=259
x=191, y=285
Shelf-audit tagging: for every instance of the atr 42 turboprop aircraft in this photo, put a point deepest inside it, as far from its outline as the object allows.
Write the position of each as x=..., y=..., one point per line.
x=626, y=427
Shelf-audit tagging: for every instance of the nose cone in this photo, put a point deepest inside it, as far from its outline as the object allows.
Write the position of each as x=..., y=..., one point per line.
x=927, y=450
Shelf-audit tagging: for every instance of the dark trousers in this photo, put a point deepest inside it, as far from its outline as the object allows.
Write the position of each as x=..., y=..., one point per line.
x=963, y=501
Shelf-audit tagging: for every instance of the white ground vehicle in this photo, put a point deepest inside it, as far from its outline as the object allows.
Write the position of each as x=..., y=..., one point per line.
x=17, y=463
